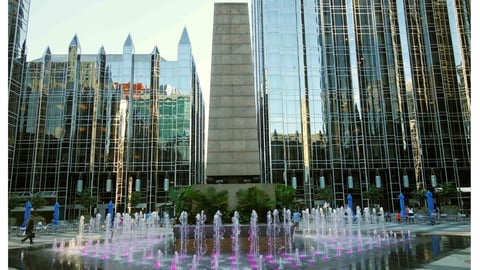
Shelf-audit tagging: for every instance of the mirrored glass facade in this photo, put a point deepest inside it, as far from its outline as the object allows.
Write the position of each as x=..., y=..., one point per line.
x=18, y=13
x=364, y=90
x=129, y=120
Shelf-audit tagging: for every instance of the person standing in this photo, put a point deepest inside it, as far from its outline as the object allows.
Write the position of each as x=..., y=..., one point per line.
x=388, y=216
x=411, y=215
x=399, y=218
x=29, y=230
x=296, y=218
x=406, y=214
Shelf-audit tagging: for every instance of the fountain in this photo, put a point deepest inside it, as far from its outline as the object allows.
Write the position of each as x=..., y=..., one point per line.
x=325, y=238
x=200, y=244
x=235, y=238
x=184, y=233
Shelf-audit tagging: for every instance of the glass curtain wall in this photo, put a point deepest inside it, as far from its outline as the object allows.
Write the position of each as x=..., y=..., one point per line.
x=18, y=13
x=114, y=125
x=364, y=94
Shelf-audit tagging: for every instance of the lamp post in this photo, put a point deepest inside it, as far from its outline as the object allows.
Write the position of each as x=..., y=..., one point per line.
x=79, y=190
x=378, y=180
x=457, y=184
x=350, y=179
x=406, y=183
x=166, y=187
x=166, y=184
x=433, y=179
x=108, y=187
x=80, y=183
x=294, y=182
x=322, y=181
x=137, y=183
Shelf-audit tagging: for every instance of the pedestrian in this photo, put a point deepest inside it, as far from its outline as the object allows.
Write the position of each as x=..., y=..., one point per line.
x=411, y=215
x=296, y=218
x=388, y=216
x=433, y=216
x=406, y=214
x=399, y=218
x=29, y=234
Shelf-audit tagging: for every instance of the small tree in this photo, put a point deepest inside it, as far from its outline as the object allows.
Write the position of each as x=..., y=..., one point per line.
x=285, y=197
x=445, y=192
x=374, y=194
x=38, y=201
x=325, y=194
x=14, y=200
x=419, y=195
x=86, y=200
x=135, y=198
x=182, y=200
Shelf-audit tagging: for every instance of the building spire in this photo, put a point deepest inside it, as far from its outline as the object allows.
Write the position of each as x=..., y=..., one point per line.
x=128, y=45
x=155, y=50
x=75, y=42
x=47, y=51
x=102, y=50
x=184, y=39
x=47, y=56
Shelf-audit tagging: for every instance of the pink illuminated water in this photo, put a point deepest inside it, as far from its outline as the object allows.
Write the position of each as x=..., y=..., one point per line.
x=135, y=241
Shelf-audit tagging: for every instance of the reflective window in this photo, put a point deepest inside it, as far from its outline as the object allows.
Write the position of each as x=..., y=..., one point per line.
x=369, y=88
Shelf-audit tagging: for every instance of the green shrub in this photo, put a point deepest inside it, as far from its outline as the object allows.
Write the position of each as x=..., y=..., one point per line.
x=254, y=199
x=449, y=209
x=285, y=197
x=211, y=201
x=421, y=210
x=12, y=221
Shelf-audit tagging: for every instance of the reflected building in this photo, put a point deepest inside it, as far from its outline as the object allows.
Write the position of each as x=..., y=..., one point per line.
x=18, y=13
x=116, y=125
x=360, y=94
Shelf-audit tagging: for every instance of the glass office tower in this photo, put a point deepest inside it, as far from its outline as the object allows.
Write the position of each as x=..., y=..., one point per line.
x=354, y=94
x=113, y=124
x=18, y=12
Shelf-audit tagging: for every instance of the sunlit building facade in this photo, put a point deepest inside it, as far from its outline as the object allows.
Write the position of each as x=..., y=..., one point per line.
x=354, y=94
x=113, y=124
x=18, y=13
x=233, y=148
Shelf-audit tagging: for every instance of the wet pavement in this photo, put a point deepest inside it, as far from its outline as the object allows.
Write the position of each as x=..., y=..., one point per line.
x=459, y=259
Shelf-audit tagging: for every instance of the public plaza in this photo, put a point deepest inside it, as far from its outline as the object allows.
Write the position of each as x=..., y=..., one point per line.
x=451, y=251
x=322, y=106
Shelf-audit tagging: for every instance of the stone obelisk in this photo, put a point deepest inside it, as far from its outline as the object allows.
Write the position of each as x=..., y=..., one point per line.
x=233, y=150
